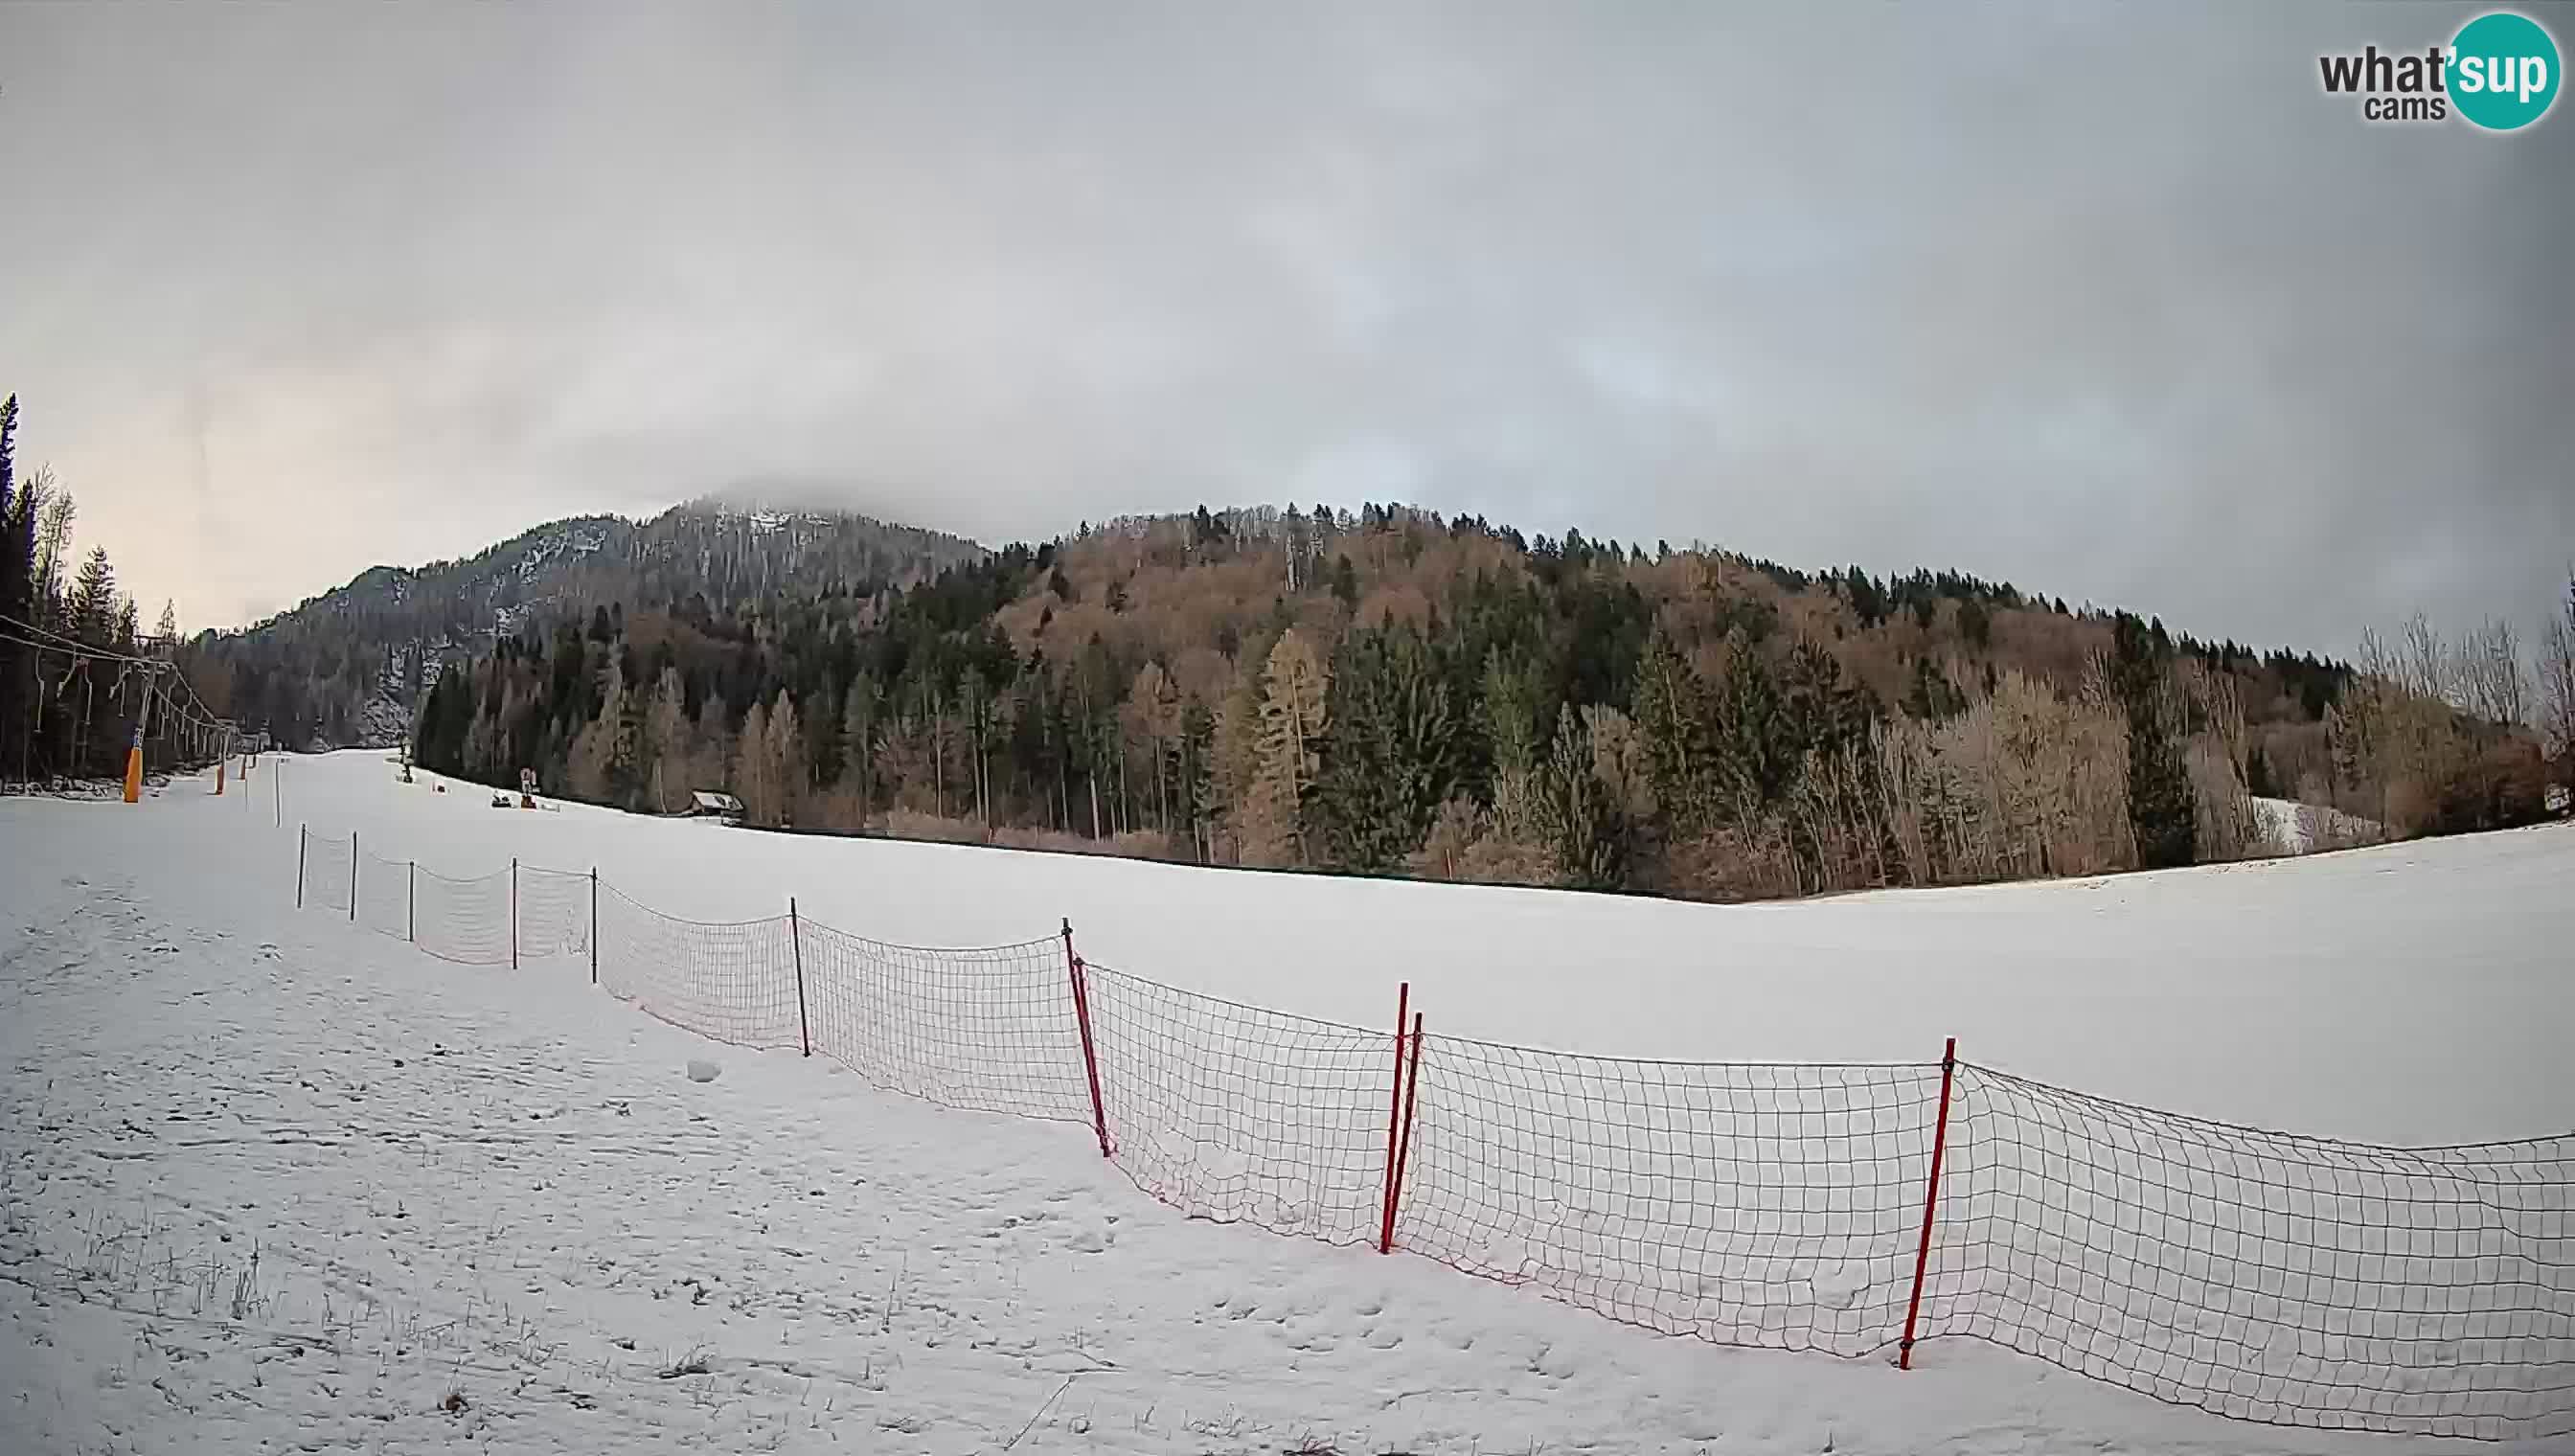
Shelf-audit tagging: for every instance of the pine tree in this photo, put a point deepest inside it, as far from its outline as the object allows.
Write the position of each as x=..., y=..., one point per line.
x=861, y=733
x=1755, y=741
x=446, y=722
x=600, y=763
x=2161, y=812
x=1388, y=759
x=94, y=606
x=624, y=710
x=1586, y=832
x=1195, y=788
x=1931, y=696
x=974, y=712
x=1672, y=718
x=1975, y=623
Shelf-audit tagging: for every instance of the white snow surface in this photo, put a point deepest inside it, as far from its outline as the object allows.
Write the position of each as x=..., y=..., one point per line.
x=2404, y=994
x=270, y=1182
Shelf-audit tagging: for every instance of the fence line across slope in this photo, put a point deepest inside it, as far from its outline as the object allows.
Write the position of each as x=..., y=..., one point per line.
x=2266, y=1277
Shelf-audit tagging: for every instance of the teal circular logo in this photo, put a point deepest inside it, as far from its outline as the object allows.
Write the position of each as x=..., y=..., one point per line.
x=2503, y=71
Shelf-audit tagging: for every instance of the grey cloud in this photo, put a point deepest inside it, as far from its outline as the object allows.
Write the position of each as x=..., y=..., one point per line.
x=2110, y=302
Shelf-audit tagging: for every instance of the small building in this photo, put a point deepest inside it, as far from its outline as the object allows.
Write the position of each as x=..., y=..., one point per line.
x=704, y=803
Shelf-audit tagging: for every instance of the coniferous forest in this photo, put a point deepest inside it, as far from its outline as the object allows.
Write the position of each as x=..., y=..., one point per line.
x=1389, y=692
x=1394, y=692
x=70, y=688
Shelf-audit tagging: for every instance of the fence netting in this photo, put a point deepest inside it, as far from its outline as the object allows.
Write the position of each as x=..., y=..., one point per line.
x=1237, y=1114
x=384, y=895
x=2264, y=1277
x=325, y=862
x=553, y=913
x=2267, y=1277
x=463, y=921
x=1778, y=1206
x=986, y=1031
x=732, y=982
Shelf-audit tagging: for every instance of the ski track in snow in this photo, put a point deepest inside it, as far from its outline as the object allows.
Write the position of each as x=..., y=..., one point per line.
x=268, y=1182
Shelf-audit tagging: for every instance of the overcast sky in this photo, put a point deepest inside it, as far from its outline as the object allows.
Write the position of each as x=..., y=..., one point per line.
x=2113, y=304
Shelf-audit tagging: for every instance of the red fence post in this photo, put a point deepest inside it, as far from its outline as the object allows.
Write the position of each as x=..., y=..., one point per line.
x=794, y=942
x=1403, y=1142
x=1930, y=1201
x=1394, y=1123
x=1080, y=976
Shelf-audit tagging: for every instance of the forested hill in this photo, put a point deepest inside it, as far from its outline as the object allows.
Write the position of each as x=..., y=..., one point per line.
x=349, y=666
x=1398, y=692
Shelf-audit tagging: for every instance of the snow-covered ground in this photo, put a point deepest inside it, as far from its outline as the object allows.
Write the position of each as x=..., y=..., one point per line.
x=270, y=1182
x=2409, y=993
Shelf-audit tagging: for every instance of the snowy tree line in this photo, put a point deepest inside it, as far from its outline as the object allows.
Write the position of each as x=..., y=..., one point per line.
x=325, y=674
x=67, y=703
x=1391, y=693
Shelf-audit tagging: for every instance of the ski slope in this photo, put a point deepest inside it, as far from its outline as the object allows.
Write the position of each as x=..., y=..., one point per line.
x=268, y=1182
x=2409, y=993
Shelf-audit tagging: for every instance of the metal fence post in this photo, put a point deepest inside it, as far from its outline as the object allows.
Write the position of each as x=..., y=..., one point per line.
x=1081, y=978
x=410, y=903
x=1403, y=1142
x=353, y=876
x=594, y=923
x=1930, y=1201
x=300, y=837
x=796, y=943
x=1393, y=1124
x=514, y=913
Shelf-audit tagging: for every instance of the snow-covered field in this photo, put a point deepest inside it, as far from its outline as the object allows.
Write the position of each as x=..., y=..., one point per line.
x=269, y=1181
x=2410, y=994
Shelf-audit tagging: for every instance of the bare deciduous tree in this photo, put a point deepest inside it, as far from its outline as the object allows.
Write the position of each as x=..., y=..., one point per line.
x=2557, y=687
x=1291, y=738
x=2489, y=674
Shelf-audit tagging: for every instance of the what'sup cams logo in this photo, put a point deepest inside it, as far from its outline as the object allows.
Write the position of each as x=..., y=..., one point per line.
x=2500, y=72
